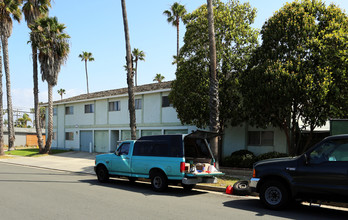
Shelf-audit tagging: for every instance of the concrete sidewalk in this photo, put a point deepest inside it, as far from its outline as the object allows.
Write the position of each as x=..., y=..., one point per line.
x=72, y=161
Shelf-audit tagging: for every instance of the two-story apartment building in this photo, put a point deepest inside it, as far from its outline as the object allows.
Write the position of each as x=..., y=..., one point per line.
x=96, y=122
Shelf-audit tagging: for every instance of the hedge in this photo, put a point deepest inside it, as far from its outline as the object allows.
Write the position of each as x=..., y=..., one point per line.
x=246, y=159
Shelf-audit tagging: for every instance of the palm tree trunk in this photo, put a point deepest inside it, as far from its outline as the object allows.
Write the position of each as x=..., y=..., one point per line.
x=214, y=86
x=86, y=77
x=1, y=111
x=50, y=120
x=136, y=73
x=11, y=134
x=131, y=104
x=177, y=40
x=36, y=101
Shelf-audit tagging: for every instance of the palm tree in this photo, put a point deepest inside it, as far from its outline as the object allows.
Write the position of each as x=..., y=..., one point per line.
x=131, y=103
x=159, y=78
x=49, y=37
x=42, y=116
x=174, y=15
x=137, y=55
x=24, y=120
x=32, y=10
x=2, y=122
x=8, y=9
x=61, y=92
x=86, y=56
x=214, y=85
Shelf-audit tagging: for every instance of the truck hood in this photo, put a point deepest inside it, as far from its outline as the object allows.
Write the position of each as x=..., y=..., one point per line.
x=276, y=160
x=103, y=156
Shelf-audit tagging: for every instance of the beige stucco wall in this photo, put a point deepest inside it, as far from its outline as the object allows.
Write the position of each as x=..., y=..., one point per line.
x=152, y=108
x=235, y=138
x=101, y=112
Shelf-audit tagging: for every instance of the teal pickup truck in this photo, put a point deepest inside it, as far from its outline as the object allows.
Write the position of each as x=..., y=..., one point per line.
x=185, y=159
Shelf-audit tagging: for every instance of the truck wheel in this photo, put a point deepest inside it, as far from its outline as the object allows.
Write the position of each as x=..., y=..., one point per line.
x=274, y=195
x=241, y=188
x=102, y=174
x=188, y=187
x=159, y=181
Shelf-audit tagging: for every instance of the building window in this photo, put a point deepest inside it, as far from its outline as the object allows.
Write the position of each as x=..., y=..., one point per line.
x=260, y=138
x=69, y=136
x=166, y=102
x=89, y=108
x=138, y=104
x=69, y=110
x=54, y=111
x=114, y=106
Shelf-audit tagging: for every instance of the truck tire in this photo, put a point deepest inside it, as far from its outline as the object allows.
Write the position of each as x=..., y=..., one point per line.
x=159, y=181
x=274, y=195
x=102, y=174
x=241, y=188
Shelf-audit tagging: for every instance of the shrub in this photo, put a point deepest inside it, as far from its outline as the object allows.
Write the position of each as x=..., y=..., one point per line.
x=270, y=155
x=240, y=158
x=246, y=159
x=232, y=161
x=242, y=153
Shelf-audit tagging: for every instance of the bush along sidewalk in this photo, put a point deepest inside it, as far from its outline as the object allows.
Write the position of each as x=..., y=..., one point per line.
x=246, y=159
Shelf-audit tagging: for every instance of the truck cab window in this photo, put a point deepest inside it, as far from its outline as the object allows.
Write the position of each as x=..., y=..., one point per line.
x=335, y=150
x=124, y=149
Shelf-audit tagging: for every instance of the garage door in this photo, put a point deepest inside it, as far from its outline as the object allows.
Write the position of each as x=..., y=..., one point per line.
x=101, y=141
x=86, y=140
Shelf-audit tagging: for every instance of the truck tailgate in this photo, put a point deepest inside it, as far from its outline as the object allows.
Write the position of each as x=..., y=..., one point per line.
x=204, y=174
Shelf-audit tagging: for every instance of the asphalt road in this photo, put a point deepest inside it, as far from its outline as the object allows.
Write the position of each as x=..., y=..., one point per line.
x=30, y=193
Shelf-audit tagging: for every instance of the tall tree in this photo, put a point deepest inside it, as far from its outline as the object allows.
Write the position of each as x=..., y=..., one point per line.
x=86, y=56
x=235, y=41
x=42, y=118
x=130, y=74
x=213, y=84
x=8, y=9
x=32, y=10
x=137, y=55
x=158, y=78
x=174, y=15
x=23, y=121
x=49, y=37
x=61, y=92
x=300, y=70
x=2, y=123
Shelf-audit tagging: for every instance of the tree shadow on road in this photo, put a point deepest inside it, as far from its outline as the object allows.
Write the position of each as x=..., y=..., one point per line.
x=292, y=212
x=142, y=187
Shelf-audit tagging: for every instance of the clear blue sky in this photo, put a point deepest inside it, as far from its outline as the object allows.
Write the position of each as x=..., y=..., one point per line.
x=97, y=27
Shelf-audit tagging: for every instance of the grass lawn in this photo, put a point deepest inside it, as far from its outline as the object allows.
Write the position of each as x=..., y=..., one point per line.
x=31, y=152
x=223, y=181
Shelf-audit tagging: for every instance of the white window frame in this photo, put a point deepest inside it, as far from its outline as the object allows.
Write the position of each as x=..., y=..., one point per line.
x=114, y=106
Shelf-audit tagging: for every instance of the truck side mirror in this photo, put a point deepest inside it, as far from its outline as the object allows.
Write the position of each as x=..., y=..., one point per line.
x=117, y=152
x=306, y=159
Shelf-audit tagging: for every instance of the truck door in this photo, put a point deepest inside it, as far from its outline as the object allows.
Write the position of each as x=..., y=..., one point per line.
x=327, y=169
x=121, y=161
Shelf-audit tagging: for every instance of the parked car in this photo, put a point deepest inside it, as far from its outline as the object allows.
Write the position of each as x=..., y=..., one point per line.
x=185, y=159
x=320, y=174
